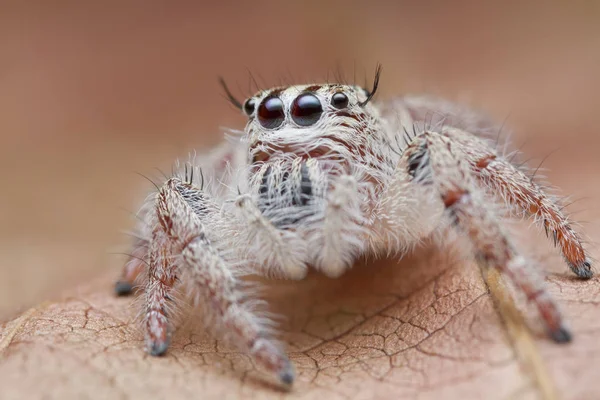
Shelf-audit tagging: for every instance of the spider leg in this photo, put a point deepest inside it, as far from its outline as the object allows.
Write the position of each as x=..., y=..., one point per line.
x=518, y=189
x=162, y=274
x=133, y=268
x=180, y=208
x=440, y=166
x=218, y=161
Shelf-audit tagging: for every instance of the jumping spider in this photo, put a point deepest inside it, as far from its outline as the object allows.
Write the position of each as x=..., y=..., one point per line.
x=320, y=176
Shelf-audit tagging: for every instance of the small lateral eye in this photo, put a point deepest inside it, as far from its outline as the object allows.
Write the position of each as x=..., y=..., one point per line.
x=306, y=109
x=249, y=106
x=270, y=112
x=339, y=100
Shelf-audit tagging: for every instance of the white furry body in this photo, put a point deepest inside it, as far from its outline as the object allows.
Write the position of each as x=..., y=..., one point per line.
x=365, y=180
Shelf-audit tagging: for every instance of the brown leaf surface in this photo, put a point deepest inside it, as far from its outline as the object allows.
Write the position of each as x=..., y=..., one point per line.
x=425, y=328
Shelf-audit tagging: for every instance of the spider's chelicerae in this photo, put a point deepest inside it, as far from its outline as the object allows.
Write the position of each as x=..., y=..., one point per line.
x=320, y=176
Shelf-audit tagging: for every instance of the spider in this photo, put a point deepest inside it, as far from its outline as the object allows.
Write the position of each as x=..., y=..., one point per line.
x=320, y=176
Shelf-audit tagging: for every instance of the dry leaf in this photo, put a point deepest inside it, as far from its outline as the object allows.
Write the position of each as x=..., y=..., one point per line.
x=421, y=328
x=85, y=101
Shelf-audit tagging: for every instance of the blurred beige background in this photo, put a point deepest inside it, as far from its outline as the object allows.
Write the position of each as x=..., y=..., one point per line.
x=92, y=92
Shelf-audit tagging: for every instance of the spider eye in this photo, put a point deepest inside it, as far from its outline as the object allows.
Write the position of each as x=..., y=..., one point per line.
x=339, y=100
x=306, y=109
x=270, y=112
x=249, y=106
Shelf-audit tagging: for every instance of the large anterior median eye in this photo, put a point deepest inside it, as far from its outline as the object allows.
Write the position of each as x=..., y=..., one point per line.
x=306, y=109
x=270, y=112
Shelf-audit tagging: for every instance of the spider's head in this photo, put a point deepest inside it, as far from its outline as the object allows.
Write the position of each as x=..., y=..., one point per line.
x=323, y=121
x=301, y=137
x=302, y=114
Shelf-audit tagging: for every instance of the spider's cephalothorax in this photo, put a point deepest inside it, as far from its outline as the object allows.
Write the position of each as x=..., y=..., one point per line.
x=301, y=138
x=321, y=176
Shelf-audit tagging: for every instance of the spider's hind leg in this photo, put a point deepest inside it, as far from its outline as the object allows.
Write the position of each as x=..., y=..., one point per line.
x=133, y=268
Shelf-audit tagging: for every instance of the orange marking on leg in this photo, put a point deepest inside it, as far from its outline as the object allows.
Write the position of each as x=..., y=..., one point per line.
x=485, y=161
x=453, y=196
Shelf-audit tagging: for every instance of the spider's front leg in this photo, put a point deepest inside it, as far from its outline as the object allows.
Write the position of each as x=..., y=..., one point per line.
x=215, y=164
x=435, y=163
x=181, y=246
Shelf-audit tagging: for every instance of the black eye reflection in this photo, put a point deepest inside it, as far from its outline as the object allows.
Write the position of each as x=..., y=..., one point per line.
x=339, y=100
x=306, y=109
x=249, y=106
x=271, y=112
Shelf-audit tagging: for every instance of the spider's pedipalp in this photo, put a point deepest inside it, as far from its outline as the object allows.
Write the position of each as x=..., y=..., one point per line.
x=277, y=252
x=339, y=240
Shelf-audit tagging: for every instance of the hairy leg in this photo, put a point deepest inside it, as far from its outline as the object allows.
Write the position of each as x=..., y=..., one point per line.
x=162, y=275
x=133, y=268
x=219, y=163
x=433, y=161
x=519, y=190
x=470, y=129
x=180, y=210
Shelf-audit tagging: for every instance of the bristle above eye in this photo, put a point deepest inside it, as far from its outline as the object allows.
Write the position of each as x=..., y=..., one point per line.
x=375, y=86
x=235, y=102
